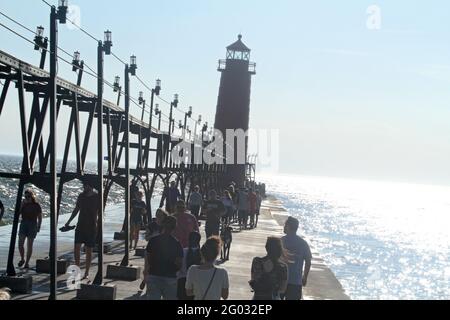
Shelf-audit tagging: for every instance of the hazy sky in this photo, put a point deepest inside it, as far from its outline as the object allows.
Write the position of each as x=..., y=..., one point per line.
x=348, y=101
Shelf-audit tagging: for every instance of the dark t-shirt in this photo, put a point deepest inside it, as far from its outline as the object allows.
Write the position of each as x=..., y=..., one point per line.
x=172, y=196
x=31, y=211
x=163, y=250
x=88, y=218
x=214, y=210
x=138, y=207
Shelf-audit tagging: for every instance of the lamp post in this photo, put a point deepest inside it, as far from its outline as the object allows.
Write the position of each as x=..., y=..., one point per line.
x=186, y=116
x=102, y=49
x=55, y=16
x=204, y=129
x=108, y=42
x=142, y=103
x=117, y=88
x=158, y=113
x=39, y=38
x=188, y=130
x=76, y=61
x=155, y=91
x=173, y=104
x=41, y=43
x=78, y=65
x=129, y=69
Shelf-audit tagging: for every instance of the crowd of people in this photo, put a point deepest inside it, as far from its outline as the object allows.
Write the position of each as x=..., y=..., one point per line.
x=177, y=266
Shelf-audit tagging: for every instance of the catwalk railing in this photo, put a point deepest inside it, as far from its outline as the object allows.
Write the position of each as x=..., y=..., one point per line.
x=153, y=147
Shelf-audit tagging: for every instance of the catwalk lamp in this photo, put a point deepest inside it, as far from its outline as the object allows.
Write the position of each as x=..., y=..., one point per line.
x=116, y=84
x=158, y=87
x=133, y=65
x=62, y=11
x=76, y=61
x=39, y=38
x=107, y=44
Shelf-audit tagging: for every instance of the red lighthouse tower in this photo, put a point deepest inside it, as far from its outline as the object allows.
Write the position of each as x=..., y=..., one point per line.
x=233, y=106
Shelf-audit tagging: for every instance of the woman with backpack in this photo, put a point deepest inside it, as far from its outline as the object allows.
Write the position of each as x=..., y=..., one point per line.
x=191, y=257
x=270, y=273
x=206, y=281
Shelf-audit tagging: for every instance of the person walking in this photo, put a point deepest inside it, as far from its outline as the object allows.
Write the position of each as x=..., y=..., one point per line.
x=31, y=213
x=206, y=281
x=234, y=197
x=138, y=210
x=269, y=274
x=191, y=257
x=87, y=207
x=195, y=202
x=258, y=207
x=214, y=212
x=171, y=195
x=300, y=254
x=133, y=196
x=186, y=223
x=243, y=207
x=153, y=229
x=164, y=259
x=229, y=205
x=252, y=200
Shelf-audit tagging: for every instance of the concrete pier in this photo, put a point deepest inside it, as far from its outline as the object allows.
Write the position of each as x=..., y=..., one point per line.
x=322, y=284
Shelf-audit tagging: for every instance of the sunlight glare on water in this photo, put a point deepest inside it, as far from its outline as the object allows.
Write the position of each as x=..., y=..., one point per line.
x=383, y=240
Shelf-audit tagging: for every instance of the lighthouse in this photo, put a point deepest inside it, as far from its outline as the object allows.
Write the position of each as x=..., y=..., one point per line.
x=233, y=105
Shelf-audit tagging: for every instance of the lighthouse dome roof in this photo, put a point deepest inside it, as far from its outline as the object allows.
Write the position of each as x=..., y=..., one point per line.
x=238, y=45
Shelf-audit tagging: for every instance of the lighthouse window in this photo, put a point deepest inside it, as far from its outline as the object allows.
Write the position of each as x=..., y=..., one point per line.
x=238, y=55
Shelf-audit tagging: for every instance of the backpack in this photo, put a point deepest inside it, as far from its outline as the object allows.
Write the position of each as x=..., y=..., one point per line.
x=268, y=283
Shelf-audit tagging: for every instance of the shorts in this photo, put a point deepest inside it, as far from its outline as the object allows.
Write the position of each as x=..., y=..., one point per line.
x=86, y=238
x=136, y=219
x=28, y=229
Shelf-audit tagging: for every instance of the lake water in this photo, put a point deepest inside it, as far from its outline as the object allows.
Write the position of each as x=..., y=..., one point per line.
x=382, y=240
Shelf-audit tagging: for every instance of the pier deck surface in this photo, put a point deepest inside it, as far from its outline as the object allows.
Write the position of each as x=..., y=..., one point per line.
x=322, y=284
